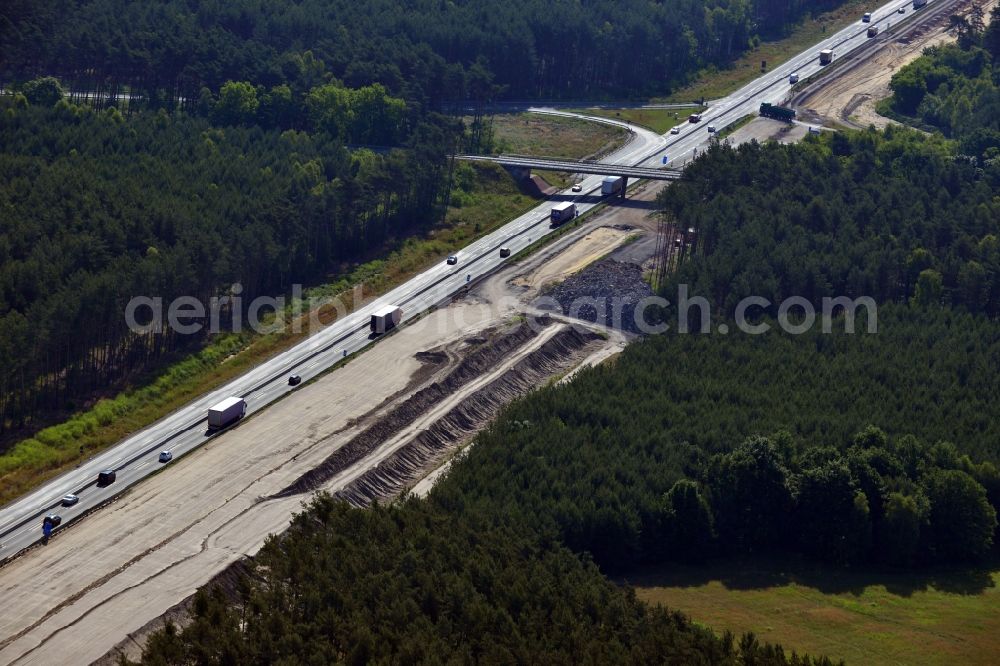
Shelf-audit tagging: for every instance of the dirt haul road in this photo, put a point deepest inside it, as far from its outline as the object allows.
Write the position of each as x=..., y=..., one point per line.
x=849, y=99
x=123, y=566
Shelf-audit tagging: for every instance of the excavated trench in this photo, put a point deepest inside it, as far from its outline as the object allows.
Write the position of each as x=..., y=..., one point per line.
x=562, y=352
x=472, y=366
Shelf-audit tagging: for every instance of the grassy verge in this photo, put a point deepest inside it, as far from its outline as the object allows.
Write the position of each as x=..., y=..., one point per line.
x=484, y=198
x=714, y=83
x=934, y=617
x=553, y=136
x=658, y=120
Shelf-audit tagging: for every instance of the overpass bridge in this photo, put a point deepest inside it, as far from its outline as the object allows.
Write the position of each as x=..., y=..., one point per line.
x=521, y=167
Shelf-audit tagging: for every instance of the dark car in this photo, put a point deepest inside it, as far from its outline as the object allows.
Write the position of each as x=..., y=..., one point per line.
x=70, y=500
x=106, y=477
x=452, y=260
x=294, y=380
x=52, y=519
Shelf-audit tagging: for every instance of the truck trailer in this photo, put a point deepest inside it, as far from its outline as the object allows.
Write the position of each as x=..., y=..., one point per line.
x=225, y=413
x=777, y=112
x=562, y=212
x=386, y=319
x=872, y=30
x=825, y=57
x=612, y=185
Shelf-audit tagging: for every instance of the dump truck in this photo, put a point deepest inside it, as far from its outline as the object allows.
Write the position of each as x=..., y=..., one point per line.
x=777, y=112
x=825, y=57
x=612, y=185
x=872, y=30
x=386, y=318
x=227, y=412
x=562, y=212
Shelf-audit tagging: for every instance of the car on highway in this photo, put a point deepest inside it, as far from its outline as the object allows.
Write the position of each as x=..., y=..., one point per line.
x=793, y=78
x=711, y=129
x=70, y=500
x=52, y=519
x=505, y=252
x=901, y=10
x=294, y=380
x=675, y=130
x=166, y=456
x=867, y=18
x=578, y=187
x=452, y=260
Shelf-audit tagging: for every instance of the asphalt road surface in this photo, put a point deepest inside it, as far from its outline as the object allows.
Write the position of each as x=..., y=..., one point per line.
x=185, y=429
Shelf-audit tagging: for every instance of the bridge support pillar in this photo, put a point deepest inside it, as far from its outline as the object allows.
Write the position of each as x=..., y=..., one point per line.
x=624, y=185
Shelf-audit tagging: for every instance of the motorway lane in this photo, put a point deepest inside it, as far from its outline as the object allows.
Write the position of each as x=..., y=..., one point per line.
x=184, y=430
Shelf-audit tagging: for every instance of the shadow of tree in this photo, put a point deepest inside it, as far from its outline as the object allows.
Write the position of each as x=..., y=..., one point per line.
x=767, y=572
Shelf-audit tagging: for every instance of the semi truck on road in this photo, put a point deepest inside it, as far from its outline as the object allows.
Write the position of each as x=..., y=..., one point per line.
x=226, y=413
x=612, y=185
x=563, y=211
x=386, y=319
x=777, y=112
x=872, y=30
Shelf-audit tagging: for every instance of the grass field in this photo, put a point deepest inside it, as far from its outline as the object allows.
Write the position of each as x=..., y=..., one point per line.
x=714, y=83
x=553, y=136
x=886, y=618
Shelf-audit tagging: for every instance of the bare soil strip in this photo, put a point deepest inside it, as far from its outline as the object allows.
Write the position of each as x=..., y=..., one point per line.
x=368, y=440
x=429, y=447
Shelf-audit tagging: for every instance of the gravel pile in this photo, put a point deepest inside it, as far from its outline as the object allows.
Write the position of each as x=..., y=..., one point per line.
x=605, y=292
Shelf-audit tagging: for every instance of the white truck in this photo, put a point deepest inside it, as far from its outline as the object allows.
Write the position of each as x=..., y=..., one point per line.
x=226, y=412
x=386, y=318
x=612, y=184
x=562, y=212
x=825, y=57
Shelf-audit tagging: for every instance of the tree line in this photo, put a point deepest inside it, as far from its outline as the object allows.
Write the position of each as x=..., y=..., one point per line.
x=891, y=216
x=955, y=88
x=428, y=52
x=99, y=209
x=411, y=583
x=695, y=446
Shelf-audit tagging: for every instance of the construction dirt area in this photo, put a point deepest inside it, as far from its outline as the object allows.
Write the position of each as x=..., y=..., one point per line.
x=365, y=432
x=849, y=97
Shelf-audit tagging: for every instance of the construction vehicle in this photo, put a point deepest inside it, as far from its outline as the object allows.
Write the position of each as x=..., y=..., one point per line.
x=777, y=112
